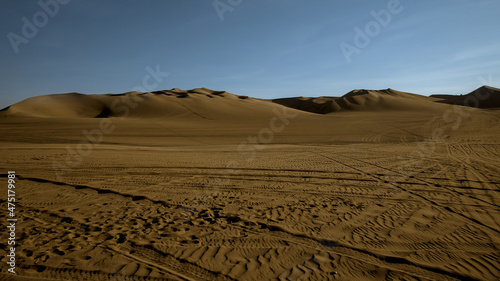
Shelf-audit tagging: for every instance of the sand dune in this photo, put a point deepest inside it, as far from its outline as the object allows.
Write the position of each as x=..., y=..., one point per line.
x=207, y=185
x=365, y=100
x=196, y=103
x=484, y=97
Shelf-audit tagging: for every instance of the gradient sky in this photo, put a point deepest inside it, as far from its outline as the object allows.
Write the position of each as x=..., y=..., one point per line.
x=261, y=48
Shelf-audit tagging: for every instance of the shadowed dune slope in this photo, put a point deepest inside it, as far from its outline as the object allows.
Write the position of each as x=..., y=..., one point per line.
x=484, y=97
x=365, y=100
x=196, y=103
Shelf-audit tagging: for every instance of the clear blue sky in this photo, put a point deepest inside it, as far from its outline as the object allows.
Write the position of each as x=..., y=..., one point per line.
x=260, y=48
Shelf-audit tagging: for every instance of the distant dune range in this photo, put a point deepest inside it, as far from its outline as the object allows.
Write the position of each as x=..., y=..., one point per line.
x=209, y=104
x=383, y=100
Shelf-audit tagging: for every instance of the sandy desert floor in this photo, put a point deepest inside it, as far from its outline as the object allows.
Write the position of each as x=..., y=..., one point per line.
x=347, y=196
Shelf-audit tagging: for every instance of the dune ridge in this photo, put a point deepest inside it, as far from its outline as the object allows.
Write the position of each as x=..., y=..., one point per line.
x=483, y=97
x=196, y=103
x=379, y=100
x=215, y=105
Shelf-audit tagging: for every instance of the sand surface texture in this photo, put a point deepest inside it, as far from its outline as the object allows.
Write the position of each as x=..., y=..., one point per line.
x=206, y=185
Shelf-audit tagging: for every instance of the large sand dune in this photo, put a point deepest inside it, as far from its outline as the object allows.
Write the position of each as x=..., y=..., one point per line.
x=484, y=97
x=206, y=185
x=388, y=100
x=199, y=103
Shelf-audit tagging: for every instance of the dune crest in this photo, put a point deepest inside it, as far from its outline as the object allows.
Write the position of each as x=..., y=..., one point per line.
x=219, y=105
x=483, y=97
x=364, y=100
x=196, y=103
